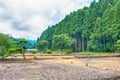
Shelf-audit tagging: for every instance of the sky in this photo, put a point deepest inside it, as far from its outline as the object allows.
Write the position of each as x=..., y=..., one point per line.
x=29, y=18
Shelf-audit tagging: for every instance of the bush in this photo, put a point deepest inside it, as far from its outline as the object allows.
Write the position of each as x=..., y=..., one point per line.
x=6, y=55
x=3, y=51
x=49, y=51
x=34, y=51
x=68, y=51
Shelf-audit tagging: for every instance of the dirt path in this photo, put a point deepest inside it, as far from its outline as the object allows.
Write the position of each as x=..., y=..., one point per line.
x=47, y=70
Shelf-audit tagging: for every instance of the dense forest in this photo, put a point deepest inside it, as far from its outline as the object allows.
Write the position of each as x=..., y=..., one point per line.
x=94, y=28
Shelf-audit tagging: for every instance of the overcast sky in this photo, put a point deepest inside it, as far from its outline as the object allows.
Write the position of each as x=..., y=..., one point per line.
x=29, y=18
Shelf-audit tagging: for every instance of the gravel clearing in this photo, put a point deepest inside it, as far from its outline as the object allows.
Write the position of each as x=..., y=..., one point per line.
x=46, y=70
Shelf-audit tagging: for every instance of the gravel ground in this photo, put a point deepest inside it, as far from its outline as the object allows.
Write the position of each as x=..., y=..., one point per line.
x=46, y=70
x=111, y=64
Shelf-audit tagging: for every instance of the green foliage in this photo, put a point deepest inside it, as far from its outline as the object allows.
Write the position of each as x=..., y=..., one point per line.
x=3, y=51
x=42, y=45
x=94, y=28
x=5, y=44
x=5, y=41
x=118, y=45
x=68, y=51
x=19, y=46
x=61, y=42
x=8, y=46
x=6, y=55
x=107, y=29
x=49, y=51
x=15, y=50
x=22, y=40
x=34, y=51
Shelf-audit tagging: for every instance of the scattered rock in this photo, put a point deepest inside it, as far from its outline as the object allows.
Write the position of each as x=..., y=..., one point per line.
x=86, y=64
x=71, y=62
x=8, y=66
x=105, y=68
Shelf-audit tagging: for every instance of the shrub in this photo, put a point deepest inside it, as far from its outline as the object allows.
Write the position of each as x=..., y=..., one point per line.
x=6, y=55
x=3, y=51
x=49, y=51
x=34, y=51
x=69, y=51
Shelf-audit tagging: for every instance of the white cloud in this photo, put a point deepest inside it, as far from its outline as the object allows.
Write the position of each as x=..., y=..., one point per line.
x=29, y=18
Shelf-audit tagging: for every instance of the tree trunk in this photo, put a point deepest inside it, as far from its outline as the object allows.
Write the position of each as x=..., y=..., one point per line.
x=82, y=44
x=76, y=48
x=87, y=44
x=104, y=45
x=23, y=53
x=114, y=47
x=79, y=43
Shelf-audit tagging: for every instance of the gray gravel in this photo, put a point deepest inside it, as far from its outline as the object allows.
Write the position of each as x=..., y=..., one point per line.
x=45, y=70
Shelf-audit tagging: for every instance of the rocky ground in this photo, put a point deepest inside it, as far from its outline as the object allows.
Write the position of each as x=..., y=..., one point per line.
x=48, y=70
x=110, y=64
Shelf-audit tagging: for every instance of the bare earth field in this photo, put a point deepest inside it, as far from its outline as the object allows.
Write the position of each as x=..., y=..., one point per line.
x=62, y=68
x=111, y=64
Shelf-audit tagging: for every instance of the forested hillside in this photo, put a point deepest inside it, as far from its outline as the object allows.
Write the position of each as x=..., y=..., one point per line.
x=94, y=28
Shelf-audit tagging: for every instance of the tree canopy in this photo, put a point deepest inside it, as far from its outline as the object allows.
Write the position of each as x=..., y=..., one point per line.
x=42, y=45
x=61, y=42
x=94, y=28
x=5, y=44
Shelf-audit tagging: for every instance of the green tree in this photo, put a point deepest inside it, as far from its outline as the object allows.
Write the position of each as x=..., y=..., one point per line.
x=94, y=28
x=62, y=42
x=21, y=42
x=19, y=46
x=42, y=45
x=5, y=44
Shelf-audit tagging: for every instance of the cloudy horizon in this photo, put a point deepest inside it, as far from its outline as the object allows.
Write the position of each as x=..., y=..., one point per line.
x=29, y=18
